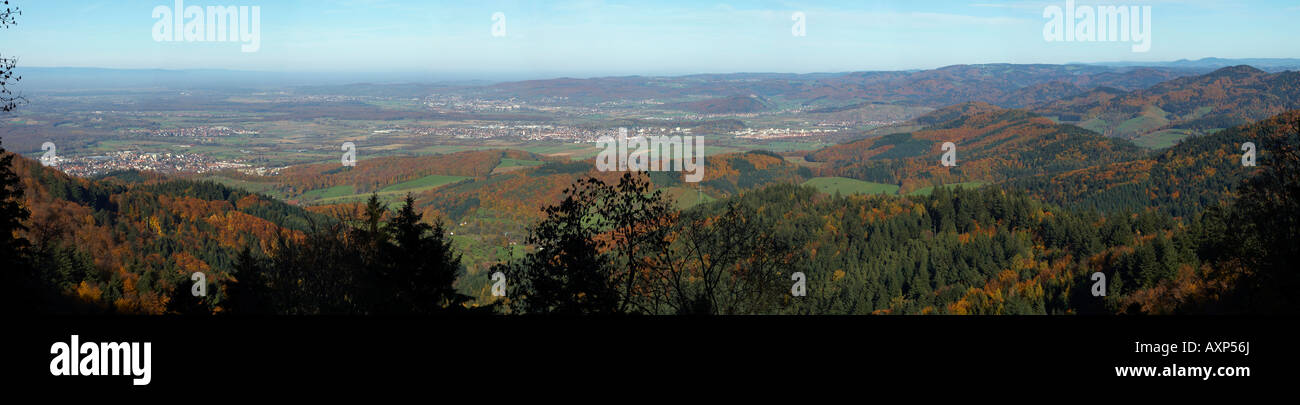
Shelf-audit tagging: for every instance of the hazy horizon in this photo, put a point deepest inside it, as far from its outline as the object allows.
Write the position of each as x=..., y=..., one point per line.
x=530, y=40
x=87, y=77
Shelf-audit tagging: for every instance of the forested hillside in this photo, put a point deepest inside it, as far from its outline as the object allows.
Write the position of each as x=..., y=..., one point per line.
x=132, y=243
x=1196, y=174
x=126, y=246
x=987, y=251
x=992, y=145
x=1227, y=97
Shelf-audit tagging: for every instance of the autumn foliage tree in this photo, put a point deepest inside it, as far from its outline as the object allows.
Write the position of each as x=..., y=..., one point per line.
x=591, y=250
x=725, y=261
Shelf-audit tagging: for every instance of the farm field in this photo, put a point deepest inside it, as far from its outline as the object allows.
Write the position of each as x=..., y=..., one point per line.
x=1162, y=139
x=846, y=186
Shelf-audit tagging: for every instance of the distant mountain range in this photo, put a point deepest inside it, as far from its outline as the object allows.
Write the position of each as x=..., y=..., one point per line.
x=1272, y=65
x=89, y=78
x=1008, y=85
x=1001, y=84
x=1004, y=85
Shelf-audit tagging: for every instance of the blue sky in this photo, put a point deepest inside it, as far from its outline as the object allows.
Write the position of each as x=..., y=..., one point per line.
x=596, y=38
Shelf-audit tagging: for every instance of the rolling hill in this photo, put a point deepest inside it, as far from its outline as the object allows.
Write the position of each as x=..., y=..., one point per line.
x=725, y=105
x=993, y=145
x=128, y=242
x=1224, y=98
x=1182, y=180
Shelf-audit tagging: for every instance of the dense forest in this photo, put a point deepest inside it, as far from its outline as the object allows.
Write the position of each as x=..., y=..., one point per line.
x=1225, y=246
x=985, y=251
x=1182, y=180
x=993, y=145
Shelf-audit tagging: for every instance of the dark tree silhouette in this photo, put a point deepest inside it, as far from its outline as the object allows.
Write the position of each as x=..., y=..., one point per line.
x=569, y=273
x=423, y=266
x=19, y=281
x=8, y=101
x=372, y=262
x=183, y=302
x=727, y=262
x=248, y=294
x=592, y=250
